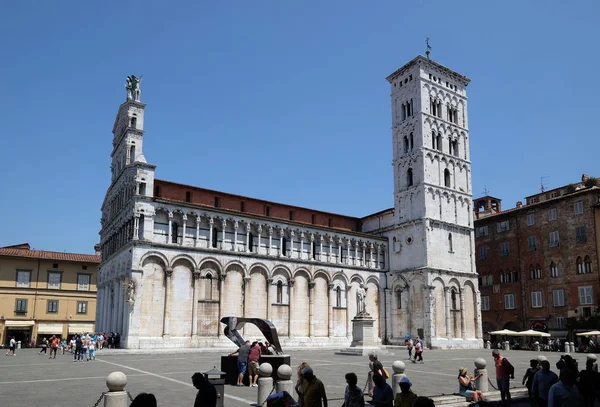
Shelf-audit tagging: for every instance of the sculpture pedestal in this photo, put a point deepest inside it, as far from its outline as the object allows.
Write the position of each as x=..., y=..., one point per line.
x=363, y=338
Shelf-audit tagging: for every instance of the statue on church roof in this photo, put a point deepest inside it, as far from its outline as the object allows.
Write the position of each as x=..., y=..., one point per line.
x=133, y=87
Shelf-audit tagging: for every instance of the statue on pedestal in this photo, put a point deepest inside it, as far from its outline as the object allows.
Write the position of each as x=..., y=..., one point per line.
x=361, y=296
x=133, y=87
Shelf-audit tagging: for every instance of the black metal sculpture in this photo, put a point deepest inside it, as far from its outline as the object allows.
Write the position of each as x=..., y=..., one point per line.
x=266, y=328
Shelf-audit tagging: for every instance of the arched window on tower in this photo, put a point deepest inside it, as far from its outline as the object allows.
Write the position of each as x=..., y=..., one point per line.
x=134, y=122
x=454, y=302
x=338, y=296
x=279, y=292
x=450, y=247
x=412, y=141
x=403, y=111
x=409, y=177
x=398, y=298
x=455, y=148
x=447, y=178
x=131, y=154
x=433, y=140
x=587, y=265
x=174, y=232
x=208, y=286
x=438, y=143
x=405, y=145
x=141, y=227
x=579, y=266
x=450, y=145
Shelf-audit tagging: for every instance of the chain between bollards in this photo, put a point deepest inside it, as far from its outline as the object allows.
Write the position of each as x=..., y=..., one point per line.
x=100, y=399
x=272, y=390
x=130, y=396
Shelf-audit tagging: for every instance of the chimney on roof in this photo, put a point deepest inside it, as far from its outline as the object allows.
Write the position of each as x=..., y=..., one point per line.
x=584, y=177
x=519, y=204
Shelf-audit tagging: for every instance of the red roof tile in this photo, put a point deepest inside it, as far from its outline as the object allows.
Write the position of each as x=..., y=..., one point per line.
x=21, y=251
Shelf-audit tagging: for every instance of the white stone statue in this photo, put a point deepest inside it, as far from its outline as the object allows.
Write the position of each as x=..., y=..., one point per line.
x=133, y=87
x=361, y=295
x=131, y=292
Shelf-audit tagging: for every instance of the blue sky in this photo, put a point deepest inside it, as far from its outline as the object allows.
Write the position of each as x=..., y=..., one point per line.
x=280, y=100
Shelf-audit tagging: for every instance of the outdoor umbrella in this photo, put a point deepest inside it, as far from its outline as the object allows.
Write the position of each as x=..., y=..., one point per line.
x=531, y=332
x=591, y=333
x=504, y=332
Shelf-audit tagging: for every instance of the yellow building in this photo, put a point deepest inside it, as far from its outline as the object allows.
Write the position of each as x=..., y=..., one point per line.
x=45, y=293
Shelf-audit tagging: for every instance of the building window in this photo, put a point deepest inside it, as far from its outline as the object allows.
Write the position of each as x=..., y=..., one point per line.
x=279, y=292
x=450, y=247
x=398, y=298
x=578, y=208
x=409, y=177
x=580, y=234
x=406, y=144
x=23, y=278
x=208, y=286
x=535, y=273
x=515, y=276
x=558, y=298
x=174, y=232
x=485, y=303
x=503, y=226
x=487, y=280
x=586, y=295
x=54, y=280
x=433, y=140
x=482, y=231
x=536, y=299
x=267, y=210
x=217, y=202
x=215, y=237
x=283, y=246
x=250, y=242
x=338, y=296
x=188, y=196
x=52, y=307
x=83, y=282
x=504, y=249
x=21, y=306
x=509, y=301
x=314, y=250
x=483, y=252
x=439, y=142
x=587, y=265
x=579, y=263
x=82, y=307
x=142, y=190
x=447, y=178
x=530, y=219
x=560, y=323
x=554, y=239
x=553, y=270
x=552, y=215
x=531, y=243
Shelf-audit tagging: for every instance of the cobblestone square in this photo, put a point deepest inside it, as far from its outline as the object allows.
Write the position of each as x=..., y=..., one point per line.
x=34, y=380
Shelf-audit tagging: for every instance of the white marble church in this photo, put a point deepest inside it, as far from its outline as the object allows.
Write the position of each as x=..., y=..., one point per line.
x=178, y=258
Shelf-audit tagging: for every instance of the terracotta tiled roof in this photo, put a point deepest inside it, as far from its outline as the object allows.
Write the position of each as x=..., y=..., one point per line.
x=22, y=250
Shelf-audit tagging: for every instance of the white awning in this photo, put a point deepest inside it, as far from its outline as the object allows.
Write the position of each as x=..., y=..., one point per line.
x=81, y=328
x=50, y=329
x=21, y=324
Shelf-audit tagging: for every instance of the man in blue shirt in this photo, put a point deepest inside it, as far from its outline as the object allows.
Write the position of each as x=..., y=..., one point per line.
x=542, y=381
x=565, y=393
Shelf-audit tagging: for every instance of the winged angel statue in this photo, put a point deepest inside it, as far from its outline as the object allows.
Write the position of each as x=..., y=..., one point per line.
x=133, y=87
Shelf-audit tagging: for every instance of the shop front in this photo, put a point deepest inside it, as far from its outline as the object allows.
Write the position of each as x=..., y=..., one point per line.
x=75, y=329
x=20, y=330
x=47, y=330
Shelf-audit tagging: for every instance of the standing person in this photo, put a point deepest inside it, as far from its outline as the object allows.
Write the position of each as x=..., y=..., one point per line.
x=410, y=348
x=299, y=382
x=528, y=379
x=253, y=357
x=44, y=347
x=466, y=386
x=406, y=338
x=78, y=349
x=565, y=393
x=542, y=381
x=313, y=390
x=242, y=361
x=12, y=345
x=376, y=369
x=504, y=372
x=91, y=349
x=587, y=382
x=55, y=342
x=72, y=345
x=118, y=340
x=405, y=397
x=418, y=351
x=207, y=393
x=383, y=395
x=353, y=396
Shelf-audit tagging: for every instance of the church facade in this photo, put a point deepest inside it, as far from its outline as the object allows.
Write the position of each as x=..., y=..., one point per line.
x=178, y=258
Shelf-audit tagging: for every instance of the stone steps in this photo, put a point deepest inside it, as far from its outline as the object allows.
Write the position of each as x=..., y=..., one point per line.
x=518, y=395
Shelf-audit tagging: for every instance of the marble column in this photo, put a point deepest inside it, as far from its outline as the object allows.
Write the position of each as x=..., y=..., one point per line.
x=330, y=309
x=197, y=231
x=125, y=314
x=463, y=325
x=221, y=302
x=196, y=282
x=364, y=254
x=291, y=255
x=348, y=316
x=311, y=309
x=281, y=233
x=340, y=249
x=291, y=308
x=247, y=247
x=170, y=237
x=235, y=239
x=269, y=283
x=378, y=260
x=478, y=327
x=355, y=260
x=301, y=255
x=211, y=223
x=311, y=255
x=321, y=238
x=258, y=246
x=270, y=249
x=184, y=227
x=329, y=252
x=167, y=311
x=430, y=327
x=224, y=224
x=136, y=226
x=447, y=294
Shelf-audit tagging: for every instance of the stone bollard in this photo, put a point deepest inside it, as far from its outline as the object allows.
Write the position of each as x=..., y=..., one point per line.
x=284, y=382
x=506, y=345
x=116, y=395
x=398, y=367
x=265, y=382
x=572, y=346
x=482, y=382
x=593, y=357
x=536, y=346
x=489, y=344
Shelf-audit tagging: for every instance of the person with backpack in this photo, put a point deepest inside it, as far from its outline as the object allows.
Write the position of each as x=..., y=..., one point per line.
x=504, y=372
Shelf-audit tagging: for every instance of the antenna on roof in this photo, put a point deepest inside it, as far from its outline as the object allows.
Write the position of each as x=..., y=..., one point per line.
x=542, y=186
x=486, y=192
x=428, y=47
